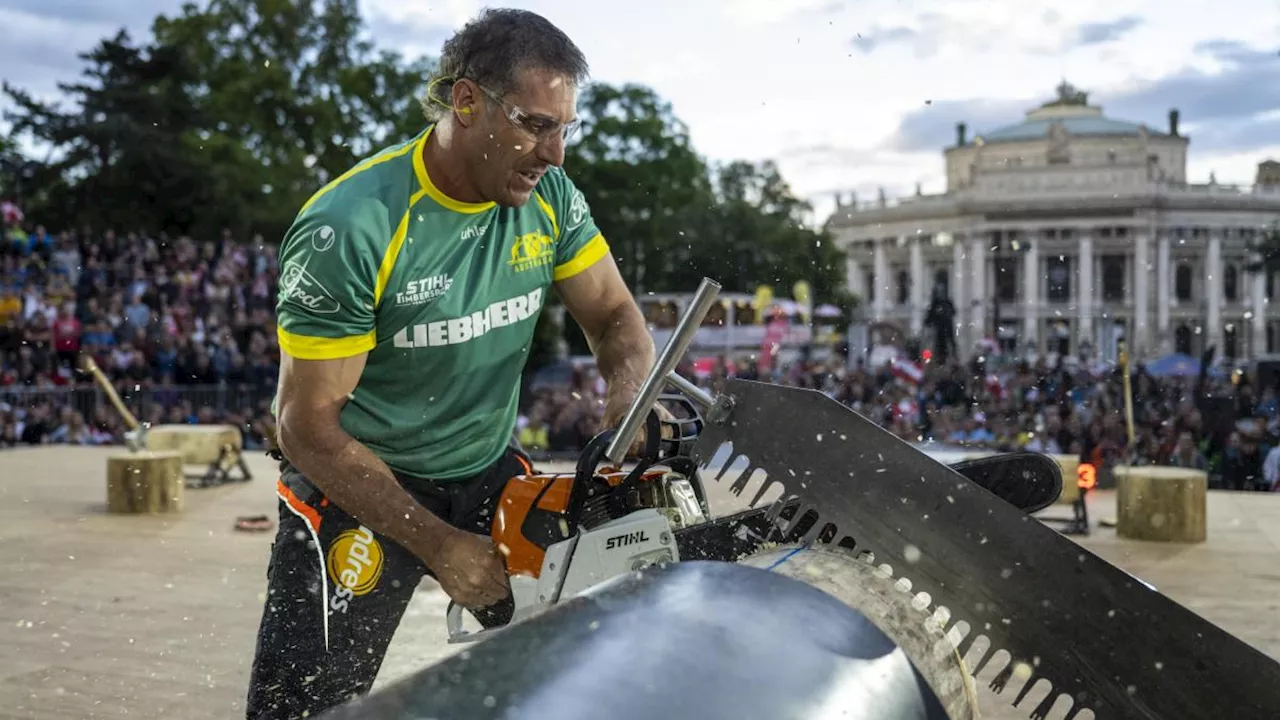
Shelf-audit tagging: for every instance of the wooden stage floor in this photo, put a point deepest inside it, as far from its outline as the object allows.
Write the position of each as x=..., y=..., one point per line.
x=108, y=616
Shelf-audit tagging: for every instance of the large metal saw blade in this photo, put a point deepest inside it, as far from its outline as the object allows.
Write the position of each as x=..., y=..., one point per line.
x=1113, y=644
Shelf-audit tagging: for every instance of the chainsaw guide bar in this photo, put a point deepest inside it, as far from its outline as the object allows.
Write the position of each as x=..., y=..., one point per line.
x=1109, y=642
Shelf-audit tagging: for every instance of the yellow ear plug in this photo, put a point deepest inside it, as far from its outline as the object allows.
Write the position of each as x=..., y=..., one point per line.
x=466, y=111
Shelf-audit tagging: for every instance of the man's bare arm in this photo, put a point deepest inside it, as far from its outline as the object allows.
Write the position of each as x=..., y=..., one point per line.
x=311, y=394
x=599, y=300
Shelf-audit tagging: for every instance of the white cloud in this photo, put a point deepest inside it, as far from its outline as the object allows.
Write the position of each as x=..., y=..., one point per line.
x=749, y=13
x=761, y=78
x=1238, y=168
x=439, y=12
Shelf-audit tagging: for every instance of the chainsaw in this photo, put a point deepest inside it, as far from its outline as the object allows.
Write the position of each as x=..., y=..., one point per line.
x=562, y=533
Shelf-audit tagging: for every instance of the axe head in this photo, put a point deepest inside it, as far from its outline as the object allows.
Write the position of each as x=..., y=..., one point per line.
x=136, y=439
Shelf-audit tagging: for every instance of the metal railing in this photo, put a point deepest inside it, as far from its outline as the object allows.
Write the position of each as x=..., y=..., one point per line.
x=142, y=400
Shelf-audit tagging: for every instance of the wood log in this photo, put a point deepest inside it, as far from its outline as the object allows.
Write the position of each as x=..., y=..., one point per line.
x=145, y=482
x=198, y=444
x=1161, y=504
x=1070, y=490
x=905, y=617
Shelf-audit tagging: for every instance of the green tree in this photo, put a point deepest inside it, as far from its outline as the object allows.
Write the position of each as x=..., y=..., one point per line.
x=755, y=234
x=298, y=85
x=119, y=152
x=232, y=116
x=17, y=172
x=637, y=167
x=672, y=220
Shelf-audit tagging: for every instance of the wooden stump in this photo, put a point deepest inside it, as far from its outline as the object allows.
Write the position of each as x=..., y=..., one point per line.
x=199, y=444
x=1070, y=490
x=144, y=482
x=1162, y=504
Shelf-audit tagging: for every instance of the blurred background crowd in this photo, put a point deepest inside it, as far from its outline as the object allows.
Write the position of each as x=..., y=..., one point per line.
x=985, y=404
x=185, y=331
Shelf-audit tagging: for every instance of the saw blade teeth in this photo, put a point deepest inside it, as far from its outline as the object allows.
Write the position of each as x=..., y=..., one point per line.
x=1079, y=711
x=774, y=511
x=1029, y=685
x=979, y=656
x=743, y=476
x=820, y=532
x=719, y=459
x=804, y=512
x=988, y=657
x=1042, y=710
x=740, y=471
x=1001, y=680
x=964, y=641
x=942, y=616
x=766, y=484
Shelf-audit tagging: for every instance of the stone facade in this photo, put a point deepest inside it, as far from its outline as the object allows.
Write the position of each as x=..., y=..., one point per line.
x=1080, y=230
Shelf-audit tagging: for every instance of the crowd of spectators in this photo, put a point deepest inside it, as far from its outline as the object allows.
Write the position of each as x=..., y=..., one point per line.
x=185, y=330
x=1065, y=409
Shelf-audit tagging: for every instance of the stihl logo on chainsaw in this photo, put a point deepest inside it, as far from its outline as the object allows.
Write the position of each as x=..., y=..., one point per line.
x=625, y=539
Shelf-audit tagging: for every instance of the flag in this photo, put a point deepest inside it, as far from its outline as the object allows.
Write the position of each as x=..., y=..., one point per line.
x=907, y=372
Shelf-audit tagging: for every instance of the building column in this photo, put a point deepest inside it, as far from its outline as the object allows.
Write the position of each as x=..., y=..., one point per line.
x=1031, y=282
x=919, y=293
x=1141, y=295
x=978, y=279
x=881, y=265
x=959, y=294
x=1084, y=291
x=1164, y=298
x=853, y=273
x=1213, y=292
x=1259, y=289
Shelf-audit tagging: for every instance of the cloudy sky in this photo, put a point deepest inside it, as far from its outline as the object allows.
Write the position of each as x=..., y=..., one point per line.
x=844, y=95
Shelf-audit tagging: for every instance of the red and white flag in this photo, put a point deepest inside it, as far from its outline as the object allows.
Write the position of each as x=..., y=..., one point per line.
x=995, y=386
x=907, y=372
x=907, y=408
x=11, y=213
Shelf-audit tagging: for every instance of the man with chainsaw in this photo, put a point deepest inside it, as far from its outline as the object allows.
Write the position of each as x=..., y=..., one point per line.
x=410, y=287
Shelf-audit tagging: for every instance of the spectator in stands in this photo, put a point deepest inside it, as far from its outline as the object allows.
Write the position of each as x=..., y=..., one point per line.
x=67, y=331
x=1186, y=454
x=185, y=329
x=10, y=304
x=1242, y=462
x=72, y=429
x=1271, y=469
x=154, y=312
x=533, y=435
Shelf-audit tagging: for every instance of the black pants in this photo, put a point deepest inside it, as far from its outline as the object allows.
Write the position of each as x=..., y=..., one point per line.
x=336, y=590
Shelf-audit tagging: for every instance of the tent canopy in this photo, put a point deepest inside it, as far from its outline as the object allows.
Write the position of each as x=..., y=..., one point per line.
x=1176, y=365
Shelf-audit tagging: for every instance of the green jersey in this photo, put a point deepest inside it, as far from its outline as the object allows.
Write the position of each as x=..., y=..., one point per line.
x=443, y=295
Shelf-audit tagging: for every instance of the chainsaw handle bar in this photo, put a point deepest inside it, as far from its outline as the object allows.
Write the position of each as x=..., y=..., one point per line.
x=674, y=451
x=594, y=453
x=695, y=394
x=653, y=383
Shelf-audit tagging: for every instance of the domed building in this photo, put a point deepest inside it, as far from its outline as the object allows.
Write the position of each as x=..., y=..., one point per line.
x=1066, y=233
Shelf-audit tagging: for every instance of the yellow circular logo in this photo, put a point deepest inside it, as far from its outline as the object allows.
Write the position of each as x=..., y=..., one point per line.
x=355, y=561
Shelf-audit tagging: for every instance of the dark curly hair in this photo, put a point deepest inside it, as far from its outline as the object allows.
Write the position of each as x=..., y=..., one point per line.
x=493, y=48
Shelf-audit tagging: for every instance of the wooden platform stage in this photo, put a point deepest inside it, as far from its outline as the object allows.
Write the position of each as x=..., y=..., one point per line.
x=108, y=616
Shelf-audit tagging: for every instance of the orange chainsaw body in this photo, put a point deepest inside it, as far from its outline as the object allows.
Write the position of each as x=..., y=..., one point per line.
x=532, y=515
